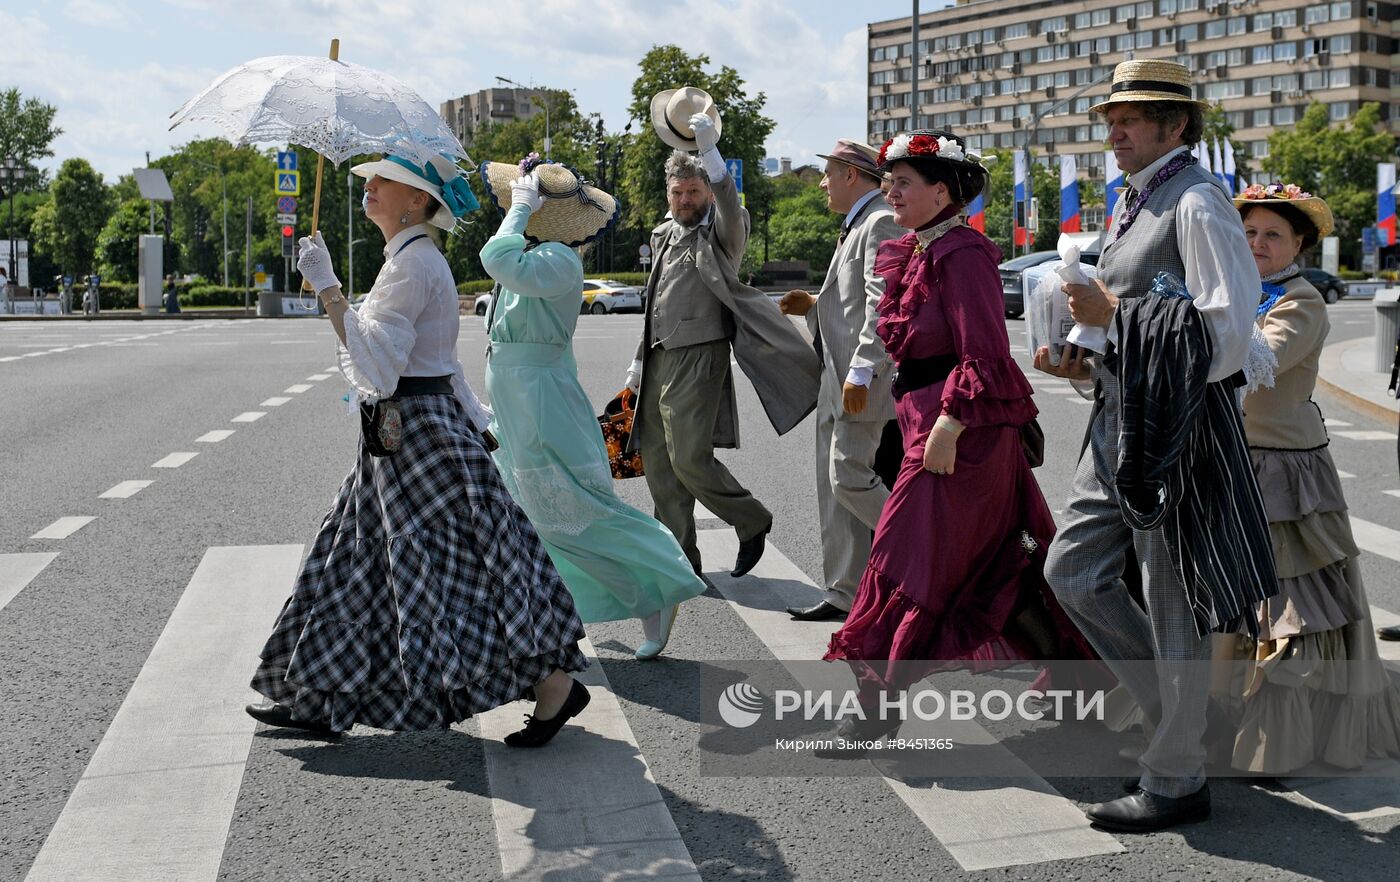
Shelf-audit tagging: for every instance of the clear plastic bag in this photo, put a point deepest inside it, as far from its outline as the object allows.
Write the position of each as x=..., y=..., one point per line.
x=1048, y=322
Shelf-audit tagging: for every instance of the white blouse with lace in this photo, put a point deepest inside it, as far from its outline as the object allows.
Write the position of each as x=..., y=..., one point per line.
x=407, y=325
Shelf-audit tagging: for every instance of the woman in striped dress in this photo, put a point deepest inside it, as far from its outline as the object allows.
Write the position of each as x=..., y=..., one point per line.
x=427, y=596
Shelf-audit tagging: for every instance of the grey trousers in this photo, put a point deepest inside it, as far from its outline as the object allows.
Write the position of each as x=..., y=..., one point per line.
x=1156, y=653
x=678, y=409
x=850, y=497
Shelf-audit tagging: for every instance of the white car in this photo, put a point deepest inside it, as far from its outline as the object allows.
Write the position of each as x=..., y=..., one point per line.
x=482, y=304
x=601, y=296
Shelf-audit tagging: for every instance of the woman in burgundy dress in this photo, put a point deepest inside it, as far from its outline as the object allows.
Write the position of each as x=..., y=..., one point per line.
x=955, y=570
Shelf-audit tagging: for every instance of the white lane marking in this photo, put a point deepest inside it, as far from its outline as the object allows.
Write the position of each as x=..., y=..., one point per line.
x=1336, y=424
x=701, y=512
x=126, y=489
x=1376, y=539
x=1078, y=400
x=157, y=797
x=1034, y=822
x=293, y=342
x=296, y=389
x=174, y=461
x=18, y=570
x=214, y=437
x=316, y=378
x=1395, y=493
x=1344, y=475
x=1389, y=650
x=63, y=527
x=1366, y=435
x=275, y=401
x=249, y=416
x=1057, y=390
x=590, y=810
x=1373, y=791
x=12, y=358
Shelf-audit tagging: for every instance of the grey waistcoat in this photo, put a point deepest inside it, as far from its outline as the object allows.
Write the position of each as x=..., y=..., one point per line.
x=685, y=312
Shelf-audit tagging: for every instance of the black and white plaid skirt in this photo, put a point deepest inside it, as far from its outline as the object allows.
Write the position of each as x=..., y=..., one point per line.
x=427, y=596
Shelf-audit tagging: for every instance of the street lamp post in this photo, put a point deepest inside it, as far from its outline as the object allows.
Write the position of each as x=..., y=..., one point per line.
x=12, y=172
x=1030, y=139
x=536, y=99
x=223, y=187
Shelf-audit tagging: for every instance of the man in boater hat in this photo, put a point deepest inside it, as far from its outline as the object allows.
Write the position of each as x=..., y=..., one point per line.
x=1167, y=388
x=696, y=310
x=855, y=402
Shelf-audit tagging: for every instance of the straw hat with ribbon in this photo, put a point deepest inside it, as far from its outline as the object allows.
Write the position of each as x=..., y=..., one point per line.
x=574, y=212
x=1149, y=81
x=671, y=111
x=441, y=179
x=1313, y=208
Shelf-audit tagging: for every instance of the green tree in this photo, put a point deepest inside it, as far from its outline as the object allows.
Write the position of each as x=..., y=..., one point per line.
x=1337, y=163
x=803, y=228
x=67, y=226
x=26, y=132
x=743, y=134
x=117, y=244
x=1045, y=186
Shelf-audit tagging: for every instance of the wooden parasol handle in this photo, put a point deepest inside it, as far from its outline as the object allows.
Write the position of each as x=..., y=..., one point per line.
x=320, y=166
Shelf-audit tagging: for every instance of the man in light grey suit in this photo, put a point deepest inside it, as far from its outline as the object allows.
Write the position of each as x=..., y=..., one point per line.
x=855, y=402
x=696, y=311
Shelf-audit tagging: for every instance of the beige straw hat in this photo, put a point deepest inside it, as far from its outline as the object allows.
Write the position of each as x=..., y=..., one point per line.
x=1150, y=81
x=574, y=212
x=672, y=109
x=1314, y=208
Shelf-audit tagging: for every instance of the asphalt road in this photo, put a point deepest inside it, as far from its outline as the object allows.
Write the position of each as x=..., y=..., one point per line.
x=89, y=406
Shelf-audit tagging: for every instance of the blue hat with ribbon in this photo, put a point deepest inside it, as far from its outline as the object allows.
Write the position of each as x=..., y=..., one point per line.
x=441, y=178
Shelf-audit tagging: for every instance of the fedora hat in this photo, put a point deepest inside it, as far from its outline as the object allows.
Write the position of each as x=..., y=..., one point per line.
x=1314, y=208
x=441, y=179
x=858, y=155
x=1149, y=81
x=574, y=212
x=672, y=109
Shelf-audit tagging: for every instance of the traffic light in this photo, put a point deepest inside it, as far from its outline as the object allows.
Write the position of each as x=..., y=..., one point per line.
x=289, y=233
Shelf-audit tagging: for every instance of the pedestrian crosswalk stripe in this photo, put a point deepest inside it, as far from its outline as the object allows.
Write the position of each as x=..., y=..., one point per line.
x=1366, y=435
x=703, y=513
x=249, y=416
x=586, y=808
x=316, y=378
x=295, y=390
x=157, y=797
x=174, y=461
x=1336, y=424
x=1395, y=493
x=1034, y=821
x=126, y=490
x=1376, y=539
x=275, y=401
x=214, y=437
x=63, y=527
x=18, y=570
x=1344, y=475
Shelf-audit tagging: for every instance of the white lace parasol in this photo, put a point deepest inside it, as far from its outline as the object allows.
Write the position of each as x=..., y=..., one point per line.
x=333, y=107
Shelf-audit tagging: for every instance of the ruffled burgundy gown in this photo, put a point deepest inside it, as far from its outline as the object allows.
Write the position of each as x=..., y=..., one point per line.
x=956, y=558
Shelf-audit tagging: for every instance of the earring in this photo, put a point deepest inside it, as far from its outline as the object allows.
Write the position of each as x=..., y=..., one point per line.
x=403, y=220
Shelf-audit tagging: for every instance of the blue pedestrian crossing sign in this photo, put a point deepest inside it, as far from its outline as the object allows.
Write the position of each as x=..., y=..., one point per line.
x=288, y=183
x=735, y=167
x=286, y=160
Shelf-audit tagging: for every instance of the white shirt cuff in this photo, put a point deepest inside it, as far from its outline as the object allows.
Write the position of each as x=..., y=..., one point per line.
x=714, y=165
x=860, y=376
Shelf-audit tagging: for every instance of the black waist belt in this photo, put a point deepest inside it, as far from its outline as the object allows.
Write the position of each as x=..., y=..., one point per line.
x=411, y=386
x=916, y=373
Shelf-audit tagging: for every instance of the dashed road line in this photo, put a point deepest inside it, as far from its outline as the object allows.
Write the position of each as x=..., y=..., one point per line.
x=63, y=527
x=296, y=389
x=1366, y=435
x=316, y=378
x=126, y=490
x=275, y=401
x=249, y=416
x=174, y=461
x=214, y=437
x=18, y=570
x=1376, y=539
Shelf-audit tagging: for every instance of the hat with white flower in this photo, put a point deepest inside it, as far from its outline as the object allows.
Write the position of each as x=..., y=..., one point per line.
x=938, y=147
x=1301, y=209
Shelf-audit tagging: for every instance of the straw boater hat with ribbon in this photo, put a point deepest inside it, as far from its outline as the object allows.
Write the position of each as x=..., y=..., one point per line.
x=671, y=111
x=441, y=179
x=859, y=156
x=1149, y=81
x=574, y=212
x=1313, y=208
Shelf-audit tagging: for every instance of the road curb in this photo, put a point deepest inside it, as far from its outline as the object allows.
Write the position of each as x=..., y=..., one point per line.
x=1356, y=402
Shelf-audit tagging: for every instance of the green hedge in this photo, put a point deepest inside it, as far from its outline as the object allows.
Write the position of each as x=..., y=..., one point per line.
x=217, y=295
x=1352, y=275
x=475, y=286
x=481, y=286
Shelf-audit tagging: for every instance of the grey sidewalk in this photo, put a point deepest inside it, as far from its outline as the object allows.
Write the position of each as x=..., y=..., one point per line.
x=1347, y=370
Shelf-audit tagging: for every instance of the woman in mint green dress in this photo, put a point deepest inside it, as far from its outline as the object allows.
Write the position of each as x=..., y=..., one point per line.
x=617, y=562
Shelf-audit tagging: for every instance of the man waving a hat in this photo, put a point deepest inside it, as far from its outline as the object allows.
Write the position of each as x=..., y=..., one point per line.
x=696, y=310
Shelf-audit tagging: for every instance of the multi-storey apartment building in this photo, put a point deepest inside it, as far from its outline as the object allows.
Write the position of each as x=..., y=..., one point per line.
x=1005, y=72
x=489, y=107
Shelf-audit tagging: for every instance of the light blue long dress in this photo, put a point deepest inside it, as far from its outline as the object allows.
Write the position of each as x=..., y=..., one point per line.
x=617, y=562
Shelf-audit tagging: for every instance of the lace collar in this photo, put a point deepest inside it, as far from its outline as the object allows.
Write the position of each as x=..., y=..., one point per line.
x=928, y=235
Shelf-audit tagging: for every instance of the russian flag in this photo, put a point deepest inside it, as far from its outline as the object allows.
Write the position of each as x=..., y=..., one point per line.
x=1113, y=182
x=1219, y=164
x=1203, y=157
x=1385, y=202
x=977, y=214
x=1019, y=238
x=1230, y=177
x=1069, y=194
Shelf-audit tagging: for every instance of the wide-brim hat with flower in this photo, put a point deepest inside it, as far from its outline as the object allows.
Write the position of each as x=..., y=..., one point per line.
x=671, y=111
x=574, y=211
x=1135, y=81
x=938, y=146
x=1314, y=208
x=441, y=179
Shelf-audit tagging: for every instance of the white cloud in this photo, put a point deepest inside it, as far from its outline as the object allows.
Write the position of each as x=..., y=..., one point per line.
x=104, y=14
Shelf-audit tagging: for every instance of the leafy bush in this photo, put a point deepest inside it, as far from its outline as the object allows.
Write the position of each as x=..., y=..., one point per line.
x=475, y=286
x=1351, y=275
x=216, y=295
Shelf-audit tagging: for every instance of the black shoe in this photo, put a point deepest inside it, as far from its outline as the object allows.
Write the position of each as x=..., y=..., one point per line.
x=537, y=732
x=822, y=612
x=1132, y=784
x=1144, y=812
x=1390, y=632
x=280, y=715
x=750, y=550
x=847, y=742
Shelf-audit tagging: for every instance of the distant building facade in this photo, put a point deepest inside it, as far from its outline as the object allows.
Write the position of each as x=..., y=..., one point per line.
x=467, y=114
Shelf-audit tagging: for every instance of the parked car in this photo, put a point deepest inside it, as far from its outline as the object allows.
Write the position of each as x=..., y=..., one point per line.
x=1013, y=282
x=602, y=296
x=1331, y=287
x=482, y=304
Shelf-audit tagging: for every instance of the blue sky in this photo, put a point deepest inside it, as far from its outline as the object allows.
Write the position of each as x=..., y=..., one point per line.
x=117, y=68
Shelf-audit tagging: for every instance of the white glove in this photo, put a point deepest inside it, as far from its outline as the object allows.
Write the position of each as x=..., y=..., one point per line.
x=706, y=138
x=634, y=376
x=314, y=263
x=525, y=191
